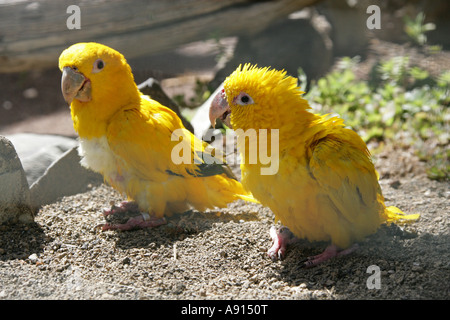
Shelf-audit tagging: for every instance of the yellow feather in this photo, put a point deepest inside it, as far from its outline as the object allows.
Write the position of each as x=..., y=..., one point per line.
x=326, y=187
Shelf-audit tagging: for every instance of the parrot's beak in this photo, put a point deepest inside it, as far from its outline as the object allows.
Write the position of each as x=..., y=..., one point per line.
x=74, y=85
x=220, y=109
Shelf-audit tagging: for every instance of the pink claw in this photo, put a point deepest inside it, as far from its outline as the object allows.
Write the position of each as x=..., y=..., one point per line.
x=125, y=206
x=332, y=251
x=144, y=220
x=281, y=238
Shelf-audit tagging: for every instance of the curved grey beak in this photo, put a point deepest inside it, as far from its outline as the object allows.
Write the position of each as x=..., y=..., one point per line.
x=74, y=85
x=220, y=109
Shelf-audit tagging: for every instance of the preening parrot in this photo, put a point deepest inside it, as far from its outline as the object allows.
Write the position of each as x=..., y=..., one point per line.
x=325, y=187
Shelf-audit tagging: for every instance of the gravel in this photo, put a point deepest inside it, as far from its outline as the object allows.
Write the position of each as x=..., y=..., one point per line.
x=221, y=254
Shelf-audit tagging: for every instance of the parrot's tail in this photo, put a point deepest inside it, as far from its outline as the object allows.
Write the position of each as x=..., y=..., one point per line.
x=247, y=197
x=215, y=191
x=222, y=190
x=394, y=214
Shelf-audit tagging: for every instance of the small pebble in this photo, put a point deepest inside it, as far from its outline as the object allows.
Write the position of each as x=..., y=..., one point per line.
x=31, y=93
x=126, y=260
x=33, y=258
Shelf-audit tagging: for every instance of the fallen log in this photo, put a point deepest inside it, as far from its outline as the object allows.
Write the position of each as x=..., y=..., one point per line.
x=33, y=34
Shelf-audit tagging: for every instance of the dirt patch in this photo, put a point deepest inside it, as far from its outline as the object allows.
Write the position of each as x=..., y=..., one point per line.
x=221, y=254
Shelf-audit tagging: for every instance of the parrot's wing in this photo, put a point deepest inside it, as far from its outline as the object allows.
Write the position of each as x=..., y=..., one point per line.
x=154, y=144
x=346, y=175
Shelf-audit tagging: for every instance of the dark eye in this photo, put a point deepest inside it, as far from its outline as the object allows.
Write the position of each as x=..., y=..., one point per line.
x=98, y=66
x=243, y=99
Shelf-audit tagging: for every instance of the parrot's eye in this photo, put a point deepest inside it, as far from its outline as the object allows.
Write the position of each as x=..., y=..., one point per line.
x=243, y=99
x=98, y=66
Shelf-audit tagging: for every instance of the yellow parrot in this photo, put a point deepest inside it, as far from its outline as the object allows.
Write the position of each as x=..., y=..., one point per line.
x=325, y=187
x=139, y=146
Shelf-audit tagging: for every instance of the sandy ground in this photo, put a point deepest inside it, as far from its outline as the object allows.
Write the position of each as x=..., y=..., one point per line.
x=221, y=254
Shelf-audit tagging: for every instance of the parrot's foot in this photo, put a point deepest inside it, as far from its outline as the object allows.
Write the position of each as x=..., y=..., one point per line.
x=125, y=206
x=281, y=238
x=332, y=251
x=127, y=216
x=143, y=220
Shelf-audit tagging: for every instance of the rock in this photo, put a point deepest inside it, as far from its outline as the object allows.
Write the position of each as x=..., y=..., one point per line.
x=200, y=121
x=301, y=40
x=52, y=167
x=347, y=18
x=38, y=151
x=63, y=177
x=33, y=258
x=31, y=93
x=14, y=193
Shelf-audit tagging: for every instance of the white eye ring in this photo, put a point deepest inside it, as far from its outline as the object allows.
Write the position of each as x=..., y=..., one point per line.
x=243, y=99
x=98, y=66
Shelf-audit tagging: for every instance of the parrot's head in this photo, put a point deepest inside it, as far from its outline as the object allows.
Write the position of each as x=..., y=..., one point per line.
x=257, y=98
x=94, y=74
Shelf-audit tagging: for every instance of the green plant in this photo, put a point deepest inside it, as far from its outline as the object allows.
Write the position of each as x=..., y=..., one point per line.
x=401, y=100
x=201, y=94
x=416, y=28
